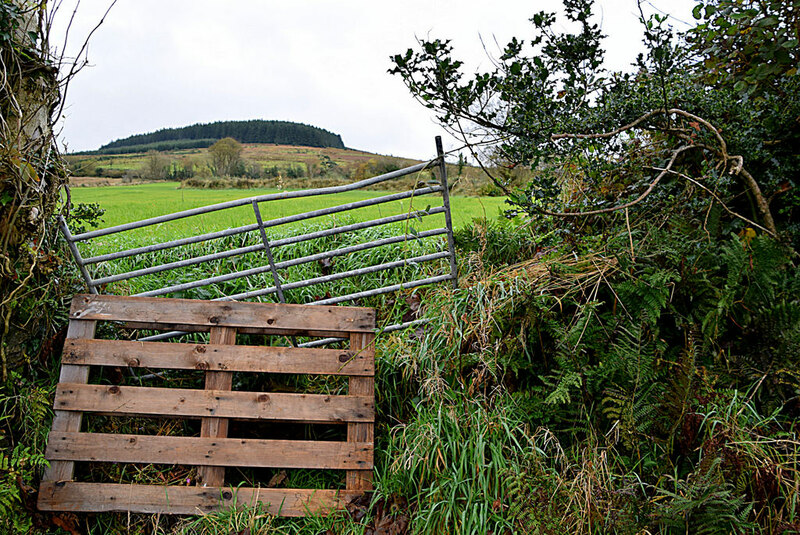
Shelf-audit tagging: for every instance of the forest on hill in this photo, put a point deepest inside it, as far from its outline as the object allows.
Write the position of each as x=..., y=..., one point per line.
x=254, y=165
x=203, y=135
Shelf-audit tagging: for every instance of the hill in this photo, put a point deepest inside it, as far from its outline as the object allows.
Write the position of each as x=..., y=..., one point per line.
x=289, y=166
x=203, y=135
x=305, y=160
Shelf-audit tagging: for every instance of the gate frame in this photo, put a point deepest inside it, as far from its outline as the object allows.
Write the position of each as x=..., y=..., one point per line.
x=279, y=288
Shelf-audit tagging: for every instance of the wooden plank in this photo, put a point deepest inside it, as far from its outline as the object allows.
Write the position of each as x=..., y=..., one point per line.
x=192, y=328
x=70, y=421
x=153, y=499
x=212, y=451
x=215, y=357
x=181, y=402
x=246, y=317
x=361, y=480
x=214, y=476
x=201, y=451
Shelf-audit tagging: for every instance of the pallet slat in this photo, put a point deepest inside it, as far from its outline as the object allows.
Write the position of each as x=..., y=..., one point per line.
x=360, y=432
x=144, y=449
x=70, y=421
x=153, y=499
x=214, y=476
x=213, y=451
x=218, y=357
x=195, y=315
x=213, y=403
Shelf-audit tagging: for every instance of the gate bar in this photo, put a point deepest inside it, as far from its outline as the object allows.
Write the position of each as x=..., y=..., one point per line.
x=291, y=285
x=280, y=265
x=333, y=300
x=261, y=198
x=259, y=247
x=76, y=253
x=270, y=223
x=268, y=250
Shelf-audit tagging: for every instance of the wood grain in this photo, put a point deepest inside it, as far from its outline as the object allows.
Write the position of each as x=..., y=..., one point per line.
x=102, y=447
x=152, y=499
x=361, y=480
x=214, y=476
x=215, y=357
x=182, y=402
x=213, y=451
x=70, y=421
x=195, y=314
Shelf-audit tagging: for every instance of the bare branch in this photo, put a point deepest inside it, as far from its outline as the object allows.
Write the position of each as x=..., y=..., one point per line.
x=634, y=202
x=74, y=66
x=737, y=167
x=761, y=202
x=716, y=198
x=612, y=133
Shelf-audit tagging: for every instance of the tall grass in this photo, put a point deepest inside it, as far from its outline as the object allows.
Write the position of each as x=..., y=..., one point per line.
x=124, y=204
x=498, y=416
x=384, y=254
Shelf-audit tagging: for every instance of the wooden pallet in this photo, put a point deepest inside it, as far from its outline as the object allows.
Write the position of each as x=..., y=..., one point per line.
x=214, y=406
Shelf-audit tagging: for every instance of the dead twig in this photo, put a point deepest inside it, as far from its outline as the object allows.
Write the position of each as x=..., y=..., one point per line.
x=627, y=205
x=721, y=203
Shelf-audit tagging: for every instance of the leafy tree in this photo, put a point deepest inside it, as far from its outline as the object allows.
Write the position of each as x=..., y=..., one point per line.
x=156, y=166
x=271, y=171
x=750, y=45
x=683, y=176
x=550, y=104
x=295, y=171
x=226, y=156
x=327, y=165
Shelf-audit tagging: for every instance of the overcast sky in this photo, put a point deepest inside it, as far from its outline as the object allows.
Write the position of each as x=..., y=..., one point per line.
x=170, y=63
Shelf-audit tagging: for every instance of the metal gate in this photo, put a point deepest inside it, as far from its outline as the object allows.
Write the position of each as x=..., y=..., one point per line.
x=279, y=287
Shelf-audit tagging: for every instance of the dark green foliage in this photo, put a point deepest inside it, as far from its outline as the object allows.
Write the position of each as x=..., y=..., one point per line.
x=253, y=131
x=651, y=420
x=748, y=45
x=176, y=144
x=660, y=348
x=549, y=104
x=295, y=171
x=83, y=217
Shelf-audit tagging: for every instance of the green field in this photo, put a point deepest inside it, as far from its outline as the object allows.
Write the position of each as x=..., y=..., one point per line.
x=124, y=204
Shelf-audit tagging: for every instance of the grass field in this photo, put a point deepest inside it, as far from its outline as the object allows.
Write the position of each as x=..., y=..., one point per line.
x=262, y=154
x=124, y=204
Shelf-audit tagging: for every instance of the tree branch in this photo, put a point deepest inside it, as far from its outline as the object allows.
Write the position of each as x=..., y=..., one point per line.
x=736, y=169
x=637, y=200
x=716, y=198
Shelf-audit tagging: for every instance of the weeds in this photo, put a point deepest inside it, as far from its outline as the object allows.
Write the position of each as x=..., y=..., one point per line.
x=562, y=393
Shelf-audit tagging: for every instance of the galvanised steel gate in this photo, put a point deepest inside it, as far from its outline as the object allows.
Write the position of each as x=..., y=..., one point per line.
x=445, y=252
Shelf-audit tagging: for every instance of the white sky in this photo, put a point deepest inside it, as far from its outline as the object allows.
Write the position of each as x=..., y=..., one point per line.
x=171, y=63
